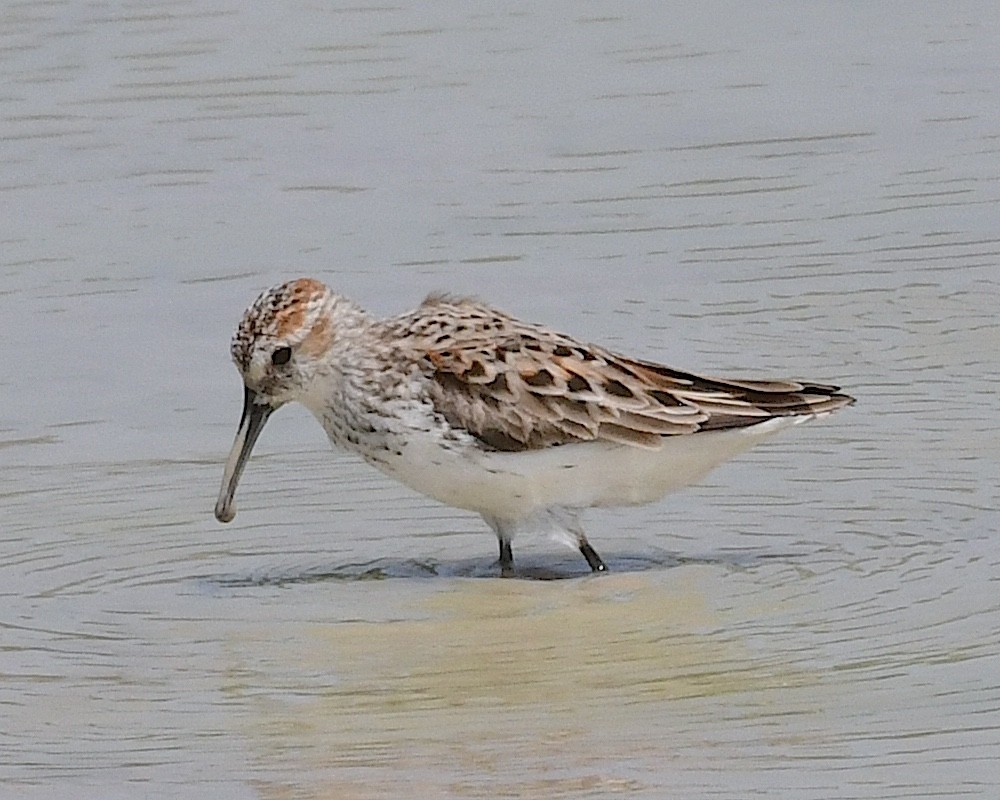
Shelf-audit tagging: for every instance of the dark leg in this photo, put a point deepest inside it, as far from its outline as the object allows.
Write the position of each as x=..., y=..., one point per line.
x=570, y=521
x=589, y=553
x=504, y=531
x=506, y=558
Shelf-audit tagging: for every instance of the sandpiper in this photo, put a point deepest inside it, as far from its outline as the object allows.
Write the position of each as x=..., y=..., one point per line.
x=481, y=411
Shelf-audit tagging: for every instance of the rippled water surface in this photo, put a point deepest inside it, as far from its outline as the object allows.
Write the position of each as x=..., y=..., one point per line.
x=774, y=189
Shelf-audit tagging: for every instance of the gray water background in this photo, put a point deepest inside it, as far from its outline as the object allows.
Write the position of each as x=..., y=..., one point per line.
x=773, y=189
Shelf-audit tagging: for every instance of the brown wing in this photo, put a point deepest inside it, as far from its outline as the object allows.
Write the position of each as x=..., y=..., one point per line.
x=517, y=386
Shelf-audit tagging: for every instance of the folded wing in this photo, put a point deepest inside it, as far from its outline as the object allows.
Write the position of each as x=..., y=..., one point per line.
x=521, y=387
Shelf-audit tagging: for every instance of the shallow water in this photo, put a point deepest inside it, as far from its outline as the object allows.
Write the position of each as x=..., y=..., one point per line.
x=780, y=189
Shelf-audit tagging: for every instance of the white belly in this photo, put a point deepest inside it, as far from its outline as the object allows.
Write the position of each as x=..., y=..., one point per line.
x=514, y=486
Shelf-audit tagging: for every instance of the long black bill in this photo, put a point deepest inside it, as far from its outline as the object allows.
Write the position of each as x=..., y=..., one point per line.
x=251, y=424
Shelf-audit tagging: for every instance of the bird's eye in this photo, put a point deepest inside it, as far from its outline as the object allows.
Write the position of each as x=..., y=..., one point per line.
x=281, y=356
